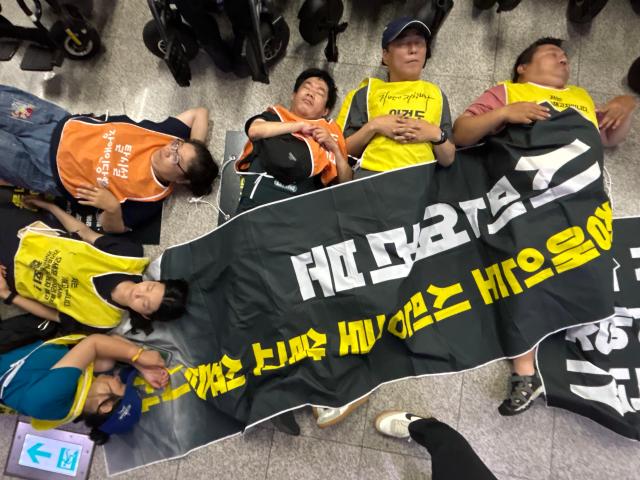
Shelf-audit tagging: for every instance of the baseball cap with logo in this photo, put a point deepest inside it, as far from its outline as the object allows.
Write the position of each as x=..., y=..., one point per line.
x=395, y=27
x=129, y=409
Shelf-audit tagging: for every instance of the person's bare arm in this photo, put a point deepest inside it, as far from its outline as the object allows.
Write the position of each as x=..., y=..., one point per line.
x=616, y=119
x=197, y=119
x=26, y=304
x=326, y=141
x=102, y=348
x=384, y=125
x=260, y=129
x=415, y=130
x=469, y=129
x=70, y=223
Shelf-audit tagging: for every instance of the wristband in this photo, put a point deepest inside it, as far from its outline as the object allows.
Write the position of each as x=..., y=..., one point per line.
x=135, y=358
x=443, y=138
x=10, y=298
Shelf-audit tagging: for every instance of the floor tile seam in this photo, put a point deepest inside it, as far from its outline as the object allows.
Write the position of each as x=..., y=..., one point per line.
x=458, y=418
x=412, y=455
x=268, y=463
x=355, y=64
x=311, y=437
x=553, y=438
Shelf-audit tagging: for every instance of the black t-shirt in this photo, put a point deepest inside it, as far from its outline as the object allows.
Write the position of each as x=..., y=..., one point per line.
x=134, y=213
x=269, y=189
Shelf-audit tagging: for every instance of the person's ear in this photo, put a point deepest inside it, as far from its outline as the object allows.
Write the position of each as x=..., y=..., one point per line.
x=105, y=407
x=325, y=112
x=385, y=56
x=521, y=68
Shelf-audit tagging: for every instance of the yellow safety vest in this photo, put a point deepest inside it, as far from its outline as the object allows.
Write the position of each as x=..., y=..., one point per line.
x=417, y=99
x=82, y=391
x=561, y=98
x=59, y=271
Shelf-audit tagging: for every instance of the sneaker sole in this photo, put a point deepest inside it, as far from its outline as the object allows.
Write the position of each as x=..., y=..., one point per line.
x=340, y=418
x=524, y=407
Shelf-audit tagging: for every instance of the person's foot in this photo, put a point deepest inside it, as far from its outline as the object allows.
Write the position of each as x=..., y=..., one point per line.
x=524, y=389
x=286, y=423
x=395, y=423
x=326, y=416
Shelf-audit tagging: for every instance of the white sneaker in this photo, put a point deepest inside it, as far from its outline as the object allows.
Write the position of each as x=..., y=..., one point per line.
x=395, y=423
x=326, y=416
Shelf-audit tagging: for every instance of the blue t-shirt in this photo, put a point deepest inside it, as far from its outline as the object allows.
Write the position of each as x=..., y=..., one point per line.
x=37, y=390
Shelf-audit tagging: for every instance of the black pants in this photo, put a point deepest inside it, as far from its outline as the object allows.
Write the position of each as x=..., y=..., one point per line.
x=452, y=457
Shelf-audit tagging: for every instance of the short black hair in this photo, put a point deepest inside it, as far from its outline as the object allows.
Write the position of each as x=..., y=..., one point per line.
x=174, y=304
x=202, y=170
x=332, y=93
x=527, y=55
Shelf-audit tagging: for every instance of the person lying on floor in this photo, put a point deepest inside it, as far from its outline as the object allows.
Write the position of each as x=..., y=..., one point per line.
x=58, y=381
x=85, y=280
x=296, y=150
x=121, y=167
x=540, y=74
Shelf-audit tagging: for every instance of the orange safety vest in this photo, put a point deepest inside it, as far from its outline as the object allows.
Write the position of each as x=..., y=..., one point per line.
x=115, y=155
x=324, y=162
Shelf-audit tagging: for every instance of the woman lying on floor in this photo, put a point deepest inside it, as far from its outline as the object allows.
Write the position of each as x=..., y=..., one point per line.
x=85, y=281
x=54, y=382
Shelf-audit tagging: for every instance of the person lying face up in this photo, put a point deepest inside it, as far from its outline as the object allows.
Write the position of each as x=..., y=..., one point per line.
x=296, y=150
x=86, y=283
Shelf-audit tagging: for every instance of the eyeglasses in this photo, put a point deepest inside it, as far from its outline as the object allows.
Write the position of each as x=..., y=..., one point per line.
x=175, y=145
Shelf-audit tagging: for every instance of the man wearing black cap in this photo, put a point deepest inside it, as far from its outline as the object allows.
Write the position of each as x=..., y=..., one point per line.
x=405, y=120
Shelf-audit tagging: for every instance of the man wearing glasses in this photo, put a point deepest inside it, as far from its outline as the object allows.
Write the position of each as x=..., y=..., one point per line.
x=121, y=167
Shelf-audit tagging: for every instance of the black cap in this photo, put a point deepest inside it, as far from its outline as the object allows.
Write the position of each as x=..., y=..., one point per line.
x=395, y=27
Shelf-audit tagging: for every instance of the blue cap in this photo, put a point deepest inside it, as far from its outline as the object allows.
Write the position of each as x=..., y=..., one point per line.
x=129, y=409
x=395, y=27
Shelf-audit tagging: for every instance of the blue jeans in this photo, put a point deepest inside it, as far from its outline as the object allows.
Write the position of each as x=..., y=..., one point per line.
x=26, y=126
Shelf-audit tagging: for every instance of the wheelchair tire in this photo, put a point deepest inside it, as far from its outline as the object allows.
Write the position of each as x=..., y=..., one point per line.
x=157, y=45
x=88, y=37
x=317, y=17
x=275, y=39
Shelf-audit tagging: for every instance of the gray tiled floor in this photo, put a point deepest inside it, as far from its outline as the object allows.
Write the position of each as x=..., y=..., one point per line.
x=473, y=51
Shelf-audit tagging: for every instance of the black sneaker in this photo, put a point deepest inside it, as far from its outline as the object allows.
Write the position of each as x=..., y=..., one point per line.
x=286, y=423
x=524, y=390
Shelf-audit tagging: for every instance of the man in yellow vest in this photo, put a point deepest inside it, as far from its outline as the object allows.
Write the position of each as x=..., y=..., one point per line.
x=296, y=150
x=121, y=167
x=540, y=74
x=405, y=120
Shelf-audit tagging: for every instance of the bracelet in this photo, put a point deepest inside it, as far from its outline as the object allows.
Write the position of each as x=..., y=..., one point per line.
x=10, y=298
x=135, y=358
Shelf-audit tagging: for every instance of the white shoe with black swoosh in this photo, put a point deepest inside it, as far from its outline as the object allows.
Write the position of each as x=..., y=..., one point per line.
x=395, y=423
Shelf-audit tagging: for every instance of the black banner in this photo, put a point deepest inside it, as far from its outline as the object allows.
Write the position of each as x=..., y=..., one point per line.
x=594, y=370
x=424, y=270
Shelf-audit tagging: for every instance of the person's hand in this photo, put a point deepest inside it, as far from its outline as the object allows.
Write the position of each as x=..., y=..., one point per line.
x=524, y=112
x=149, y=359
x=415, y=130
x=386, y=125
x=304, y=128
x=34, y=201
x=613, y=113
x=5, y=291
x=324, y=138
x=97, y=197
x=156, y=377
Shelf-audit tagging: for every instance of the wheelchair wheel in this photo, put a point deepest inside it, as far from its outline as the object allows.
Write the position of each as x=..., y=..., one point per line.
x=317, y=18
x=275, y=38
x=84, y=42
x=156, y=44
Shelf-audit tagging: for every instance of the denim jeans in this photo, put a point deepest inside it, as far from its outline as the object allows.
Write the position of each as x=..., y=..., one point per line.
x=26, y=126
